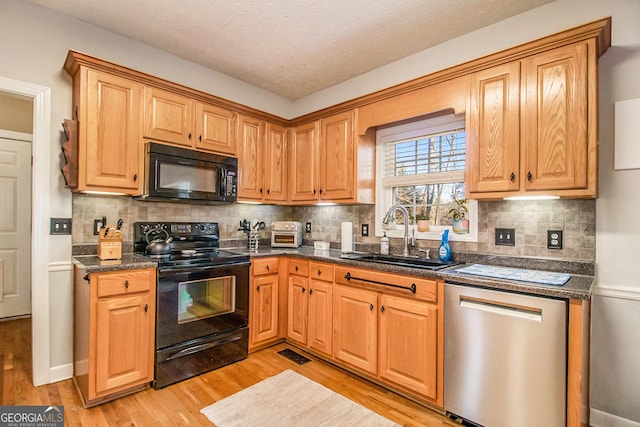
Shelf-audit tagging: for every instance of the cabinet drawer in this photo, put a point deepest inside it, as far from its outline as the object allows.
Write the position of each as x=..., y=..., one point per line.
x=265, y=266
x=320, y=271
x=128, y=282
x=299, y=267
x=426, y=289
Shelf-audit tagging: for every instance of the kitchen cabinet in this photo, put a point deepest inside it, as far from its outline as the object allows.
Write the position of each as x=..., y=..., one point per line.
x=391, y=326
x=261, y=160
x=320, y=308
x=107, y=153
x=549, y=146
x=298, y=286
x=263, y=301
x=114, y=332
x=328, y=164
x=180, y=120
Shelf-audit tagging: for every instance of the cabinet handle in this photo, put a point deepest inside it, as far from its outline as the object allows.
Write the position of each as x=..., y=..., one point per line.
x=146, y=308
x=512, y=178
x=321, y=191
x=319, y=272
x=126, y=284
x=260, y=190
x=382, y=309
x=529, y=176
x=189, y=136
x=268, y=191
x=87, y=277
x=258, y=288
x=310, y=291
x=200, y=138
x=314, y=191
x=267, y=267
x=297, y=268
x=371, y=307
x=304, y=290
x=135, y=177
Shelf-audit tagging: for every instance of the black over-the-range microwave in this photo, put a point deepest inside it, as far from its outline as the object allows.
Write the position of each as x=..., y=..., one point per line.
x=179, y=174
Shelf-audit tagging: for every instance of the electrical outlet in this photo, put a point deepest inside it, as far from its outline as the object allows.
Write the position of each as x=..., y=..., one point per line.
x=97, y=225
x=60, y=226
x=554, y=239
x=506, y=236
x=308, y=227
x=365, y=230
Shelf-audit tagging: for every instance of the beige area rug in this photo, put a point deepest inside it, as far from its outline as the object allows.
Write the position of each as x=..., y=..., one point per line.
x=289, y=399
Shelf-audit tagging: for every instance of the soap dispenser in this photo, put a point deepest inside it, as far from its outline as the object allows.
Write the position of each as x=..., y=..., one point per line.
x=384, y=244
x=444, y=252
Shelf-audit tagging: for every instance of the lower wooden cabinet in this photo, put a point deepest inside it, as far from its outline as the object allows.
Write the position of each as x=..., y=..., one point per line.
x=263, y=301
x=320, y=308
x=298, y=288
x=114, y=332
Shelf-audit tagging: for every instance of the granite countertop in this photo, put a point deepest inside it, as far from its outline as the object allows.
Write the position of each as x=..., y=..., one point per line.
x=578, y=286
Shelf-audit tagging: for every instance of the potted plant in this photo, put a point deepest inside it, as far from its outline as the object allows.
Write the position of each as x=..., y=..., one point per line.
x=459, y=213
x=422, y=220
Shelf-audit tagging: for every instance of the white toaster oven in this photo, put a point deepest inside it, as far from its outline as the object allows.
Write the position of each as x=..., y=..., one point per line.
x=286, y=234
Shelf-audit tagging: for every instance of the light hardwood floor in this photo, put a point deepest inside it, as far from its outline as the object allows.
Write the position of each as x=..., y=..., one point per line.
x=180, y=404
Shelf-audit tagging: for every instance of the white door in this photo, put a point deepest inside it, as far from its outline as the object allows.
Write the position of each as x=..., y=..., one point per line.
x=15, y=227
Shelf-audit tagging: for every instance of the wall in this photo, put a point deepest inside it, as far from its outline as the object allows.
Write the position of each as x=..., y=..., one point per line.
x=16, y=113
x=531, y=221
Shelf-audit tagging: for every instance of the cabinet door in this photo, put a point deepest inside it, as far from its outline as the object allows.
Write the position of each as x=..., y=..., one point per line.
x=250, y=141
x=275, y=166
x=320, y=321
x=168, y=117
x=304, y=162
x=297, y=314
x=493, y=133
x=214, y=129
x=409, y=344
x=112, y=132
x=555, y=117
x=264, y=319
x=124, y=342
x=355, y=327
x=337, y=157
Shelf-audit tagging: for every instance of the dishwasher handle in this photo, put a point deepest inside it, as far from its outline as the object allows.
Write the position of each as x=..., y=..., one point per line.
x=497, y=307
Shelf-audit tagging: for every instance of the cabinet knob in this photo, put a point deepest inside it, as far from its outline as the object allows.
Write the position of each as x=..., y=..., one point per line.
x=200, y=138
x=297, y=268
x=371, y=307
x=529, y=176
x=319, y=272
x=321, y=191
x=310, y=291
x=260, y=190
x=382, y=309
x=135, y=177
x=304, y=290
x=189, y=136
x=314, y=191
x=126, y=284
x=258, y=288
x=146, y=308
x=268, y=191
x=267, y=267
x=512, y=178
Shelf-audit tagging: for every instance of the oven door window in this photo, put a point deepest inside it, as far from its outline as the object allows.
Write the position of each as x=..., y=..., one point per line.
x=284, y=238
x=201, y=299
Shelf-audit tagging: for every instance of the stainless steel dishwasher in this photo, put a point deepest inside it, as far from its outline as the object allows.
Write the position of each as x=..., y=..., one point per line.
x=504, y=357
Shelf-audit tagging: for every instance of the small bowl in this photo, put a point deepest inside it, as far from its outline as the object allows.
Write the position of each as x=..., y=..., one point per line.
x=321, y=246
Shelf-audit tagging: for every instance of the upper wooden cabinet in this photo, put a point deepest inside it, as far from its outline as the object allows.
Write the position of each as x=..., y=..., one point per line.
x=261, y=160
x=531, y=126
x=328, y=165
x=180, y=120
x=108, y=150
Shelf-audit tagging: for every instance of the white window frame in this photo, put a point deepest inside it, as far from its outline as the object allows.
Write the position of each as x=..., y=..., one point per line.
x=384, y=196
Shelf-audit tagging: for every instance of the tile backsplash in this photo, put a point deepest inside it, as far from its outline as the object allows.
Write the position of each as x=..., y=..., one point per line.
x=531, y=220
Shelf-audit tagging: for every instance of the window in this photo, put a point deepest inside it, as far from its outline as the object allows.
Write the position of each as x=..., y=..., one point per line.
x=422, y=166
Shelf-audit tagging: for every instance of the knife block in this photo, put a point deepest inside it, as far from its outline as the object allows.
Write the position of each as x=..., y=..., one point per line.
x=109, y=245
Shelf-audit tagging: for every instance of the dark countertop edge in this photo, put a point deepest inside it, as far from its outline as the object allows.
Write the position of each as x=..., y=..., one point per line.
x=578, y=287
x=93, y=264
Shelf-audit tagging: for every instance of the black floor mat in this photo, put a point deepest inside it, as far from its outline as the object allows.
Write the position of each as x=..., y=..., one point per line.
x=294, y=357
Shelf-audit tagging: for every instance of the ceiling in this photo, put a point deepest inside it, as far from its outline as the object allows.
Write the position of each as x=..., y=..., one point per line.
x=292, y=48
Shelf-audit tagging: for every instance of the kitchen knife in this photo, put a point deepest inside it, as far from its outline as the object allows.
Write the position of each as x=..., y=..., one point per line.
x=119, y=224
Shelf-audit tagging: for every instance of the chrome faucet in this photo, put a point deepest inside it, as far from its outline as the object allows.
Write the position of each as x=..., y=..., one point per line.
x=405, y=212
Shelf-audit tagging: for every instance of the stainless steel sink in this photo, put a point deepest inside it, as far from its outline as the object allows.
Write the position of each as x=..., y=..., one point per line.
x=402, y=261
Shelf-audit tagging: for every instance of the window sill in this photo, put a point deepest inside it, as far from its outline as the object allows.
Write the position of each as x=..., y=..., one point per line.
x=435, y=233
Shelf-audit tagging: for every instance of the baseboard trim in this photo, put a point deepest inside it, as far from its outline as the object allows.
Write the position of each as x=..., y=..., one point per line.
x=605, y=419
x=617, y=291
x=61, y=372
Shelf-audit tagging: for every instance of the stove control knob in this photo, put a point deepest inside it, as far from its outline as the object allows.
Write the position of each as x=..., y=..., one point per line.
x=144, y=228
x=202, y=227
